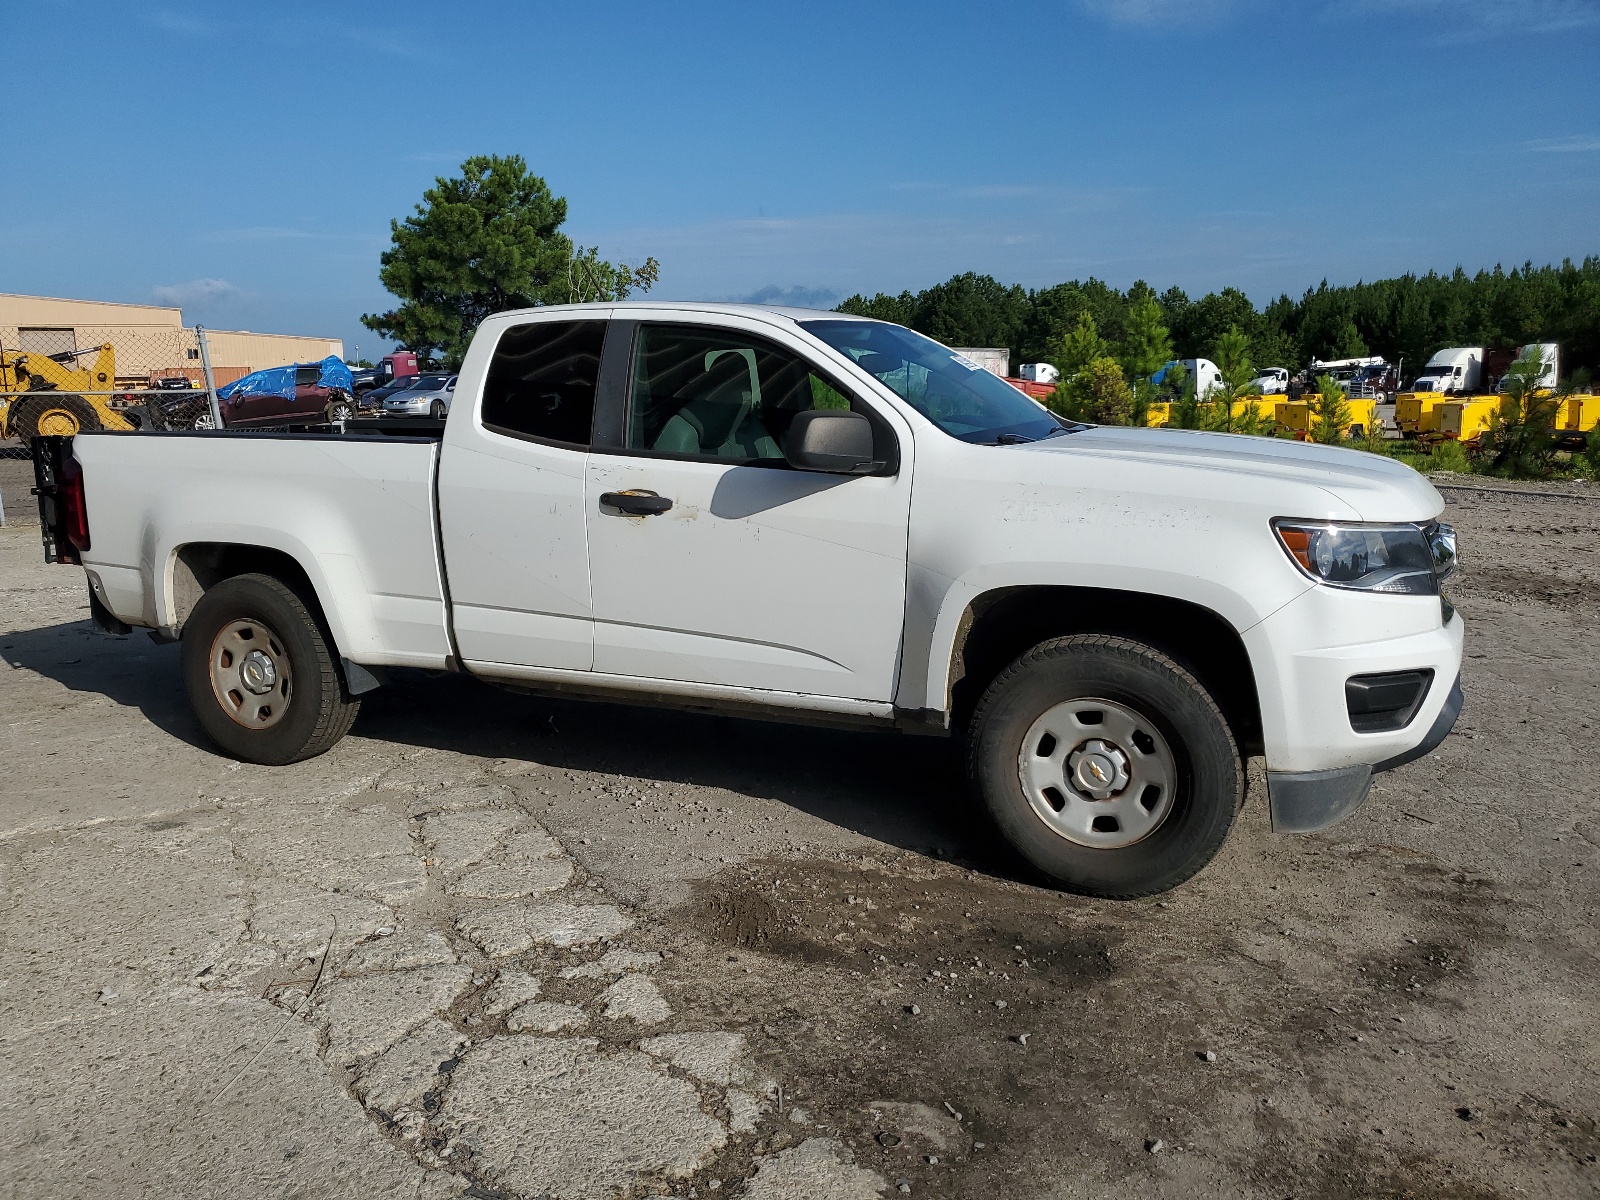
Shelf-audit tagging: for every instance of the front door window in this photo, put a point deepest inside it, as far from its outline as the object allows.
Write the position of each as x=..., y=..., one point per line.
x=698, y=392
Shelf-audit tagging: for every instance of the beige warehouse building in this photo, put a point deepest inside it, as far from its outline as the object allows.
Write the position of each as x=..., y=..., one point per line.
x=151, y=341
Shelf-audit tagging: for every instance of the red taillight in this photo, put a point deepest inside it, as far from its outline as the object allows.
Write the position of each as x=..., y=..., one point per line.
x=74, y=511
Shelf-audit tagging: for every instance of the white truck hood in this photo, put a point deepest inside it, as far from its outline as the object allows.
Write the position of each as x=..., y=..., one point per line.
x=1378, y=488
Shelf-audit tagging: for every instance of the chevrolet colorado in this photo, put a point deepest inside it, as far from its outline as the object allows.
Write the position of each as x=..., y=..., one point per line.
x=813, y=517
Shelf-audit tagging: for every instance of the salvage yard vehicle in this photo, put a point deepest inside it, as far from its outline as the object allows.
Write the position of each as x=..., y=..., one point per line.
x=804, y=517
x=426, y=396
x=298, y=394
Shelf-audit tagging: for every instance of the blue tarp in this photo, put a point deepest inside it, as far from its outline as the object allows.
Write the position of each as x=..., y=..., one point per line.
x=279, y=381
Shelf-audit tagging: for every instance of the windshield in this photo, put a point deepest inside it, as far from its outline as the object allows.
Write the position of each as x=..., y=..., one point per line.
x=953, y=392
x=427, y=383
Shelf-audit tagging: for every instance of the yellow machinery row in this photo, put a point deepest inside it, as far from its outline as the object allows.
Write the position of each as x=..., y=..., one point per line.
x=1435, y=416
x=1281, y=414
x=1428, y=416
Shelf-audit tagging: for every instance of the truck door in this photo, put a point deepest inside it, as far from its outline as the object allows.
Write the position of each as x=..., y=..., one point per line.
x=711, y=560
x=511, y=505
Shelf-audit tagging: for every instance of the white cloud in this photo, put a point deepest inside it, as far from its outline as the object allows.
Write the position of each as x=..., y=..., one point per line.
x=1160, y=12
x=1455, y=18
x=197, y=293
x=182, y=24
x=795, y=296
x=1567, y=145
x=1469, y=17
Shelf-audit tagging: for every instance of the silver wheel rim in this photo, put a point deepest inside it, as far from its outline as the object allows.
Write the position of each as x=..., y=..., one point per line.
x=203, y=421
x=1098, y=773
x=250, y=674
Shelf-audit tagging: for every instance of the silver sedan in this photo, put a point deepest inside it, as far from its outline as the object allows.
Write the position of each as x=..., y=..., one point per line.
x=429, y=396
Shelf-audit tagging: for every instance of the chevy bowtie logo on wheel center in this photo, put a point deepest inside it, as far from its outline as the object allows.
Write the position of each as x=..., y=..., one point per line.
x=257, y=673
x=1099, y=769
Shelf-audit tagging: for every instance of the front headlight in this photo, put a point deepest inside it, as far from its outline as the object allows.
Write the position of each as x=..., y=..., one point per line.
x=1404, y=560
x=1442, y=541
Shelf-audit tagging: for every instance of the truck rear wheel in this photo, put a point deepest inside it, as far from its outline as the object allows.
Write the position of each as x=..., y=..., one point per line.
x=1105, y=766
x=261, y=676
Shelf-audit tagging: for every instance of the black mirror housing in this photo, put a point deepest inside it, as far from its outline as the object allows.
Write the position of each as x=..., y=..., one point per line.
x=832, y=440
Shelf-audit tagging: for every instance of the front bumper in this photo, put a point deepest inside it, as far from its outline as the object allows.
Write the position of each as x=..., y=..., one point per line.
x=1319, y=766
x=1309, y=801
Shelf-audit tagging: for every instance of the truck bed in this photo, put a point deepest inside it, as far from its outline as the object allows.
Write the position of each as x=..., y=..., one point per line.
x=355, y=509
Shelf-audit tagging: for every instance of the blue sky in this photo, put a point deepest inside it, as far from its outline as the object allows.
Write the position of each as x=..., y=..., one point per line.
x=244, y=160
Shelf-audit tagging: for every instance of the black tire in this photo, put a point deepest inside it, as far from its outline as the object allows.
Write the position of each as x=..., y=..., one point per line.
x=1208, y=776
x=340, y=410
x=29, y=411
x=436, y=410
x=316, y=709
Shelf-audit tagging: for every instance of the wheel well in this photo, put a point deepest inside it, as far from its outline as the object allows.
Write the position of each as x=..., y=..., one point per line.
x=202, y=565
x=1001, y=625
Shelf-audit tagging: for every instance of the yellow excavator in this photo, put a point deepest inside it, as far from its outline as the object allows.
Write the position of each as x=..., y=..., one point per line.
x=47, y=402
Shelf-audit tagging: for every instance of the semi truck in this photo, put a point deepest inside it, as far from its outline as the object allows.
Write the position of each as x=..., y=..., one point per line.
x=1437, y=408
x=1202, y=373
x=1271, y=381
x=806, y=517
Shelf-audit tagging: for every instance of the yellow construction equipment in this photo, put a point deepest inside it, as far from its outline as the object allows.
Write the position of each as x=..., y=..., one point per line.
x=49, y=403
x=1578, y=415
x=1264, y=407
x=1299, y=420
x=1417, y=413
x=1468, y=420
x=1363, y=418
x=1269, y=408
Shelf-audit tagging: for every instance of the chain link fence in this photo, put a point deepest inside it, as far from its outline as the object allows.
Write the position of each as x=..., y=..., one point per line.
x=102, y=377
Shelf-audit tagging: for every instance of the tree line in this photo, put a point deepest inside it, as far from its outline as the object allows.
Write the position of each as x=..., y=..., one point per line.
x=1404, y=319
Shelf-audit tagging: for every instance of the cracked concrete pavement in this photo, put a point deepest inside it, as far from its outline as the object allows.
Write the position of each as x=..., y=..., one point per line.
x=505, y=947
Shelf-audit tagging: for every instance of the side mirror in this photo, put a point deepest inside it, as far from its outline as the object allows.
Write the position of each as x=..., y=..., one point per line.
x=832, y=440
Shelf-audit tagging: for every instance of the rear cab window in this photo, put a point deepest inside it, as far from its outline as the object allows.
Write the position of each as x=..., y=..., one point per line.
x=542, y=380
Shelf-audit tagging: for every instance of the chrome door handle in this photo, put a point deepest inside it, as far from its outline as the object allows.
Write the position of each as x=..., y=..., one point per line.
x=636, y=502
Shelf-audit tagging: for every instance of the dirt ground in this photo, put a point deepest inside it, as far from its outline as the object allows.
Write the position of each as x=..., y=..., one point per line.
x=497, y=946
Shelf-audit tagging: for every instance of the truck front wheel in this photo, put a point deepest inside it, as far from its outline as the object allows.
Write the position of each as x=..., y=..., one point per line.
x=1106, y=766
x=260, y=674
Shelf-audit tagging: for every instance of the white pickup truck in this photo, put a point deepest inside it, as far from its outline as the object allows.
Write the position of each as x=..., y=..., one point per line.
x=810, y=517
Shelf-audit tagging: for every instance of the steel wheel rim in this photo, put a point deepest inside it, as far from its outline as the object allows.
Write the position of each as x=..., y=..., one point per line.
x=250, y=674
x=1098, y=773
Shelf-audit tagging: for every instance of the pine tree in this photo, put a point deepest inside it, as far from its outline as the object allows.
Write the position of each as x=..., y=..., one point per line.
x=481, y=243
x=1146, y=345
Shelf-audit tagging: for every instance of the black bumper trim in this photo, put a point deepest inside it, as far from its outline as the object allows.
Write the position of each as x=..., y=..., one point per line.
x=1309, y=801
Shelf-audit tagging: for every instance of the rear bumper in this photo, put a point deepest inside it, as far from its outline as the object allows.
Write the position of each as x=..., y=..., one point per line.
x=1308, y=801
